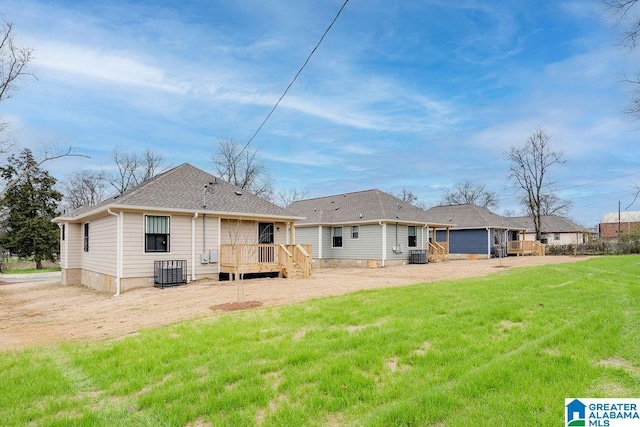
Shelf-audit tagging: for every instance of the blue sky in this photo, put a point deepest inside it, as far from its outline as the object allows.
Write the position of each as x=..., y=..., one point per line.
x=415, y=94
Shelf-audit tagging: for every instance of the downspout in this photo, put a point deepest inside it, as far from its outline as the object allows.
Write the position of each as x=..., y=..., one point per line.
x=422, y=237
x=488, y=242
x=319, y=242
x=384, y=241
x=193, y=246
x=119, y=247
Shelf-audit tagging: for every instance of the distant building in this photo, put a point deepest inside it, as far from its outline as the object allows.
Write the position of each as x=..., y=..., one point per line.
x=615, y=223
x=555, y=230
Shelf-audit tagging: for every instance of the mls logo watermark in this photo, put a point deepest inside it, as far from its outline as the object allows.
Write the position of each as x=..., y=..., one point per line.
x=601, y=412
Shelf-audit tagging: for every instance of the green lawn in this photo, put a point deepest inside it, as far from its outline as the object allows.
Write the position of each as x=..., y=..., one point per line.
x=501, y=350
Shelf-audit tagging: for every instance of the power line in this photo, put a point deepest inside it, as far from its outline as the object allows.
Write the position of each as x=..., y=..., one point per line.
x=293, y=80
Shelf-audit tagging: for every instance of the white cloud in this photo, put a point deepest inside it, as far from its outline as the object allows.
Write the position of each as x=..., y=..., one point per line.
x=108, y=66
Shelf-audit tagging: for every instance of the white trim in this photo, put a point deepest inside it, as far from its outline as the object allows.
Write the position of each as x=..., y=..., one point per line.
x=319, y=242
x=384, y=242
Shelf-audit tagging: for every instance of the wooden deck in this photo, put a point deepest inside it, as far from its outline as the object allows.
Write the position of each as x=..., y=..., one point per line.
x=286, y=260
x=525, y=247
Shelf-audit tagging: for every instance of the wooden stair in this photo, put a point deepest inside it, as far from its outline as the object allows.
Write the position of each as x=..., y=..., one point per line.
x=294, y=271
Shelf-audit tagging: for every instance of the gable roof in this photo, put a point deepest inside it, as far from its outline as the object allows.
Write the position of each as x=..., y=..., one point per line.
x=470, y=215
x=358, y=207
x=182, y=189
x=612, y=217
x=552, y=224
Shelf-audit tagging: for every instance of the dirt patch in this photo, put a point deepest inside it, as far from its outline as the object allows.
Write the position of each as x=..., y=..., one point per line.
x=233, y=306
x=44, y=313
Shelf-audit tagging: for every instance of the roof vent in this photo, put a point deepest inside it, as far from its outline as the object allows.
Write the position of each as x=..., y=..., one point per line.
x=238, y=193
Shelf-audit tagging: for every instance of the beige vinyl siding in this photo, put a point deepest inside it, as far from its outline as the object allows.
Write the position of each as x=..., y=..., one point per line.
x=210, y=237
x=137, y=262
x=238, y=232
x=308, y=235
x=101, y=257
x=71, y=247
x=279, y=233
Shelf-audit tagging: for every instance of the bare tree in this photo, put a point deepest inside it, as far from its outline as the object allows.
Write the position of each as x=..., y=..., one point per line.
x=629, y=23
x=286, y=197
x=468, y=192
x=133, y=168
x=243, y=169
x=530, y=165
x=13, y=64
x=409, y=197
x=85, y=188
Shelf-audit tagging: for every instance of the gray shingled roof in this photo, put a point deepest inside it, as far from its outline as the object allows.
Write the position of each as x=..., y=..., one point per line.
x=359, y=206
x=552, y=224
x=471, y=216
x=612, y=217
x=183, y=189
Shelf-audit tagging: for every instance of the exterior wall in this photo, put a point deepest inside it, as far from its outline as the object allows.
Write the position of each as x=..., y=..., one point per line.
x=137, y=262
x=366, y=250
x=466, y=241
x=101, y=257
x=71, y=276
x=309, y=235
x=565, y=238
x=610, y=230
x=98, y=281
x=71, y=246
x=207, y=239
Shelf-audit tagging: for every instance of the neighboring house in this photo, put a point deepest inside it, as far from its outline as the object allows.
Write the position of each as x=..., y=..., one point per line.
x=555, y=229
x=615, y=223
x=367, y=228
x=181, y=225
x=478, y=232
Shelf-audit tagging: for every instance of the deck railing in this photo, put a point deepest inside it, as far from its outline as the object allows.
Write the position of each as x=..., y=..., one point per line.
x=525, y=247
x=437, y=252
x=255, y=258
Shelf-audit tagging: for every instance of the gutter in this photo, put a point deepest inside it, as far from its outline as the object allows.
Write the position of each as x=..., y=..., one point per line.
x=119, y=248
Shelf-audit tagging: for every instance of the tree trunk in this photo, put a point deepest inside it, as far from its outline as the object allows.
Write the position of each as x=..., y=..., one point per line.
x=38, y=264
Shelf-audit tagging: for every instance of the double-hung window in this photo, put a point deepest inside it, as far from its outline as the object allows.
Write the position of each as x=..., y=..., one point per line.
x=157, y=233
x=355, y=231
x=337, y=237
x=86, y=237
x=413, y=239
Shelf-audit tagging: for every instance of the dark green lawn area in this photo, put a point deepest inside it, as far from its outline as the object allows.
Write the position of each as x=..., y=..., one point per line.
x=505, y=349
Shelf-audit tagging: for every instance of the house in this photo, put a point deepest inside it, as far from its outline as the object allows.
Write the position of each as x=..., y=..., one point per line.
x=367, y=228
x=615, y=223
x=478, y=232
x=556, y=230
x=181, y=225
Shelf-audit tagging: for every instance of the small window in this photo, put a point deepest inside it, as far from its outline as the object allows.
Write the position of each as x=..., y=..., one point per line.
x=413, y=239
x=556, y=236
x=86, y=237
x=64, y=229
x=156, y=234
x=355, y=231
x=337, y=237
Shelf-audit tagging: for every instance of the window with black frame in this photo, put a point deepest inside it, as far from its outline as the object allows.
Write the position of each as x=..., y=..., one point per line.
x=157, y=233
x=413, y=239
x=86, y=237
x=337, y=237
